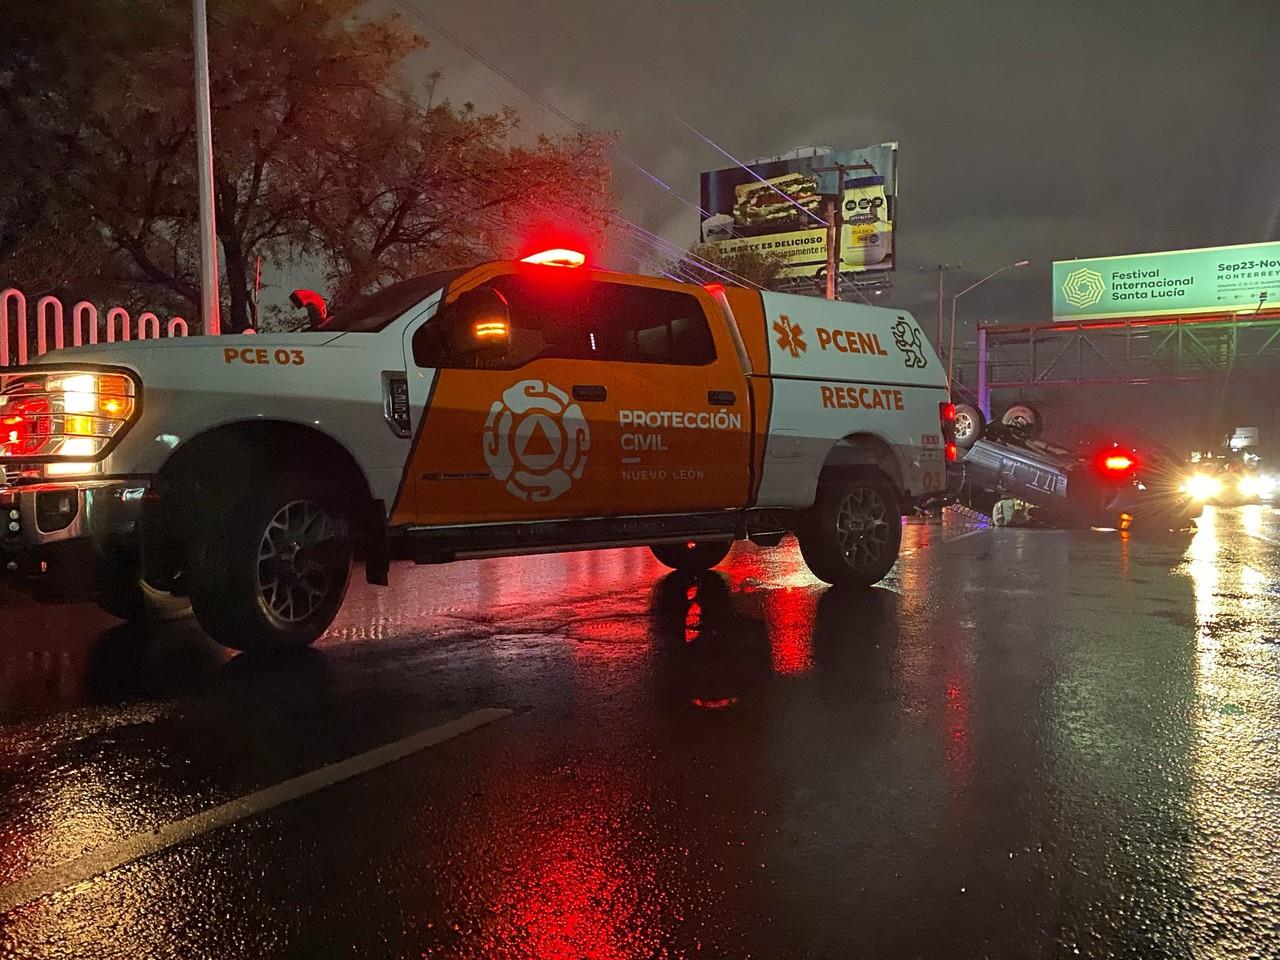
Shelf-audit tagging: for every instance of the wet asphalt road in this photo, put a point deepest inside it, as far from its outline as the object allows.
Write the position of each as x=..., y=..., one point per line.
x=1026, y=744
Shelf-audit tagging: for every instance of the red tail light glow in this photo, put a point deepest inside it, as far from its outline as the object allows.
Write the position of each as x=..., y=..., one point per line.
x=556, y=257
x=1118, y=462
x=1115, y=462
x=947, y=423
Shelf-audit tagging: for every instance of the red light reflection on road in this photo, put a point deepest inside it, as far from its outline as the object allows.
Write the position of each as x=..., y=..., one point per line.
x=789, y=603
x=713, y=704
x=789, y=615
x=958, y=752
x=578, y=870
x=692, y=614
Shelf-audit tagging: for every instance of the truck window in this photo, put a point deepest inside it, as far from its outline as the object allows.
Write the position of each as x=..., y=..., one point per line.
x=557, y=317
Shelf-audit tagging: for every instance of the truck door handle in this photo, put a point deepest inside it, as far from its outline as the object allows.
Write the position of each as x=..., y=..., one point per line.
x=589, y=392
x=722, y=398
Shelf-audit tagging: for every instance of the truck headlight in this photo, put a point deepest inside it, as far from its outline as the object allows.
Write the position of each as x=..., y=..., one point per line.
x=66, y=419
x=1202, y=487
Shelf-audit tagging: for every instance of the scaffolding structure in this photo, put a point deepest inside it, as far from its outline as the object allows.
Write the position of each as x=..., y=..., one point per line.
x=1176, y=349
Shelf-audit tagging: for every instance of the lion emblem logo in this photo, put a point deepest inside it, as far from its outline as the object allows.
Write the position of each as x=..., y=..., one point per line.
x=907, y=339
x=536, y=441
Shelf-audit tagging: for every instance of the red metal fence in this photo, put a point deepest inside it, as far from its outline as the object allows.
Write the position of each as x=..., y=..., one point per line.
x=52, y=327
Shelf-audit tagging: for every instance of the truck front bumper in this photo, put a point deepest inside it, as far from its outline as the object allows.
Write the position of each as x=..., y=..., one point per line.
x=60, y=533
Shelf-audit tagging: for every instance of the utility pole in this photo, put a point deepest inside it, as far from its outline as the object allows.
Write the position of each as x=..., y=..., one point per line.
x=941, y=268
x=835, y=221
x=951, y=352
x=835, y=227
x=209, y=309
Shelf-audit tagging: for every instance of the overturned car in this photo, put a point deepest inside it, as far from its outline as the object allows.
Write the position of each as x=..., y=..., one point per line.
x=1097, y=485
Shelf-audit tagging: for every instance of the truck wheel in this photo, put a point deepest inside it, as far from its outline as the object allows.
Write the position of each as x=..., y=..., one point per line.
x=694, y=556
x=270, y=569
x=851, y=535
x=969, y=425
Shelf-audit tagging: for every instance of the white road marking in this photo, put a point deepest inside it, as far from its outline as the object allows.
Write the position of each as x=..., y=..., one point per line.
x=42, y=883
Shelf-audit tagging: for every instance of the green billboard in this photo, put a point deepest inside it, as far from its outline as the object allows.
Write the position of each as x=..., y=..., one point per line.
x=1209, y=280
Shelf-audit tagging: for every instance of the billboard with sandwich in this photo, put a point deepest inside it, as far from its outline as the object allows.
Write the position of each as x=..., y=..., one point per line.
x=779, y=206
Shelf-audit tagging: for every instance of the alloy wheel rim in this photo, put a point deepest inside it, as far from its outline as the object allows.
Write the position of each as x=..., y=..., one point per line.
x=964, y=425
x=300, y=559
x=862, y=527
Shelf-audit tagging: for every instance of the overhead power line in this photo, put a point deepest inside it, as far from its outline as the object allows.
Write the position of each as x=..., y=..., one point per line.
x=645, y=85
x=672, y=249
x=536, y=98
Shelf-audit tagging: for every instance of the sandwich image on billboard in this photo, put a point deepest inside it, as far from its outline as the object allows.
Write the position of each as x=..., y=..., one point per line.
x=777, y=207
x=778, y=200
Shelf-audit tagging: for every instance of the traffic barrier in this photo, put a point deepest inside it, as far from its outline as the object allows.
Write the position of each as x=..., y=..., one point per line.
x=85, y=326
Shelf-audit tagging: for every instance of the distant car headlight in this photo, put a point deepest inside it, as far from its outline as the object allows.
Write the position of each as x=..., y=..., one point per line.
x=1202, y=486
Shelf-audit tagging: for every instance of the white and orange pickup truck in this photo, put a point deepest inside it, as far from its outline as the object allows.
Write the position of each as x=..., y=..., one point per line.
x=507, y=408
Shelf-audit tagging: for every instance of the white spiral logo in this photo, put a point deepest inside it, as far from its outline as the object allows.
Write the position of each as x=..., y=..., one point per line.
x=1083, y=287
x=536, y=441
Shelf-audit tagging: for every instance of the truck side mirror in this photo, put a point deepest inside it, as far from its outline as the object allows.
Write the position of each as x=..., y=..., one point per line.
x=481, y=325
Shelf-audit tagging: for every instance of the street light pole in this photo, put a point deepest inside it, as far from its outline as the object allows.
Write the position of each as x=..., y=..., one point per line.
x=209, y=302
x=951, y=350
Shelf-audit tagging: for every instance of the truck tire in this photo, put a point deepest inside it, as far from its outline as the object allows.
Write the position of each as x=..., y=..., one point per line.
x=852, y=533
x=969, y=425
x=695, y=556
x=270, y=567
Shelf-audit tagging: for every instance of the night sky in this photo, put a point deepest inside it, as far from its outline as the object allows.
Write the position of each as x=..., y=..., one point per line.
x=1027, y=129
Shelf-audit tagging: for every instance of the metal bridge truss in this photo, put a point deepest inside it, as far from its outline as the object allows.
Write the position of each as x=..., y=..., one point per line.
x=1133, y=351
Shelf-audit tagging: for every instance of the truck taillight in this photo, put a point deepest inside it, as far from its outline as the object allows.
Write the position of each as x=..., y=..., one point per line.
x=947, y=422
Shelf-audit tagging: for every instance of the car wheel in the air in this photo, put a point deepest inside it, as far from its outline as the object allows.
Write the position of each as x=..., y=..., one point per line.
x=969, y=424
x=1024, y=418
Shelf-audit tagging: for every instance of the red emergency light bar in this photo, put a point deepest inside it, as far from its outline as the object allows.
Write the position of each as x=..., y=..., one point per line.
x=556, y=257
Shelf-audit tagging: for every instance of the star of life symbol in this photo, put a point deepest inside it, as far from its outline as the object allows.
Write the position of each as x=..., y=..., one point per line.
x=536, y=441
x=1083, y=287
x=790, y=335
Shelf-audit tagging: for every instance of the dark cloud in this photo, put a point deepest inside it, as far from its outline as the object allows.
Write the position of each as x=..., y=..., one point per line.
x=1027, y=129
